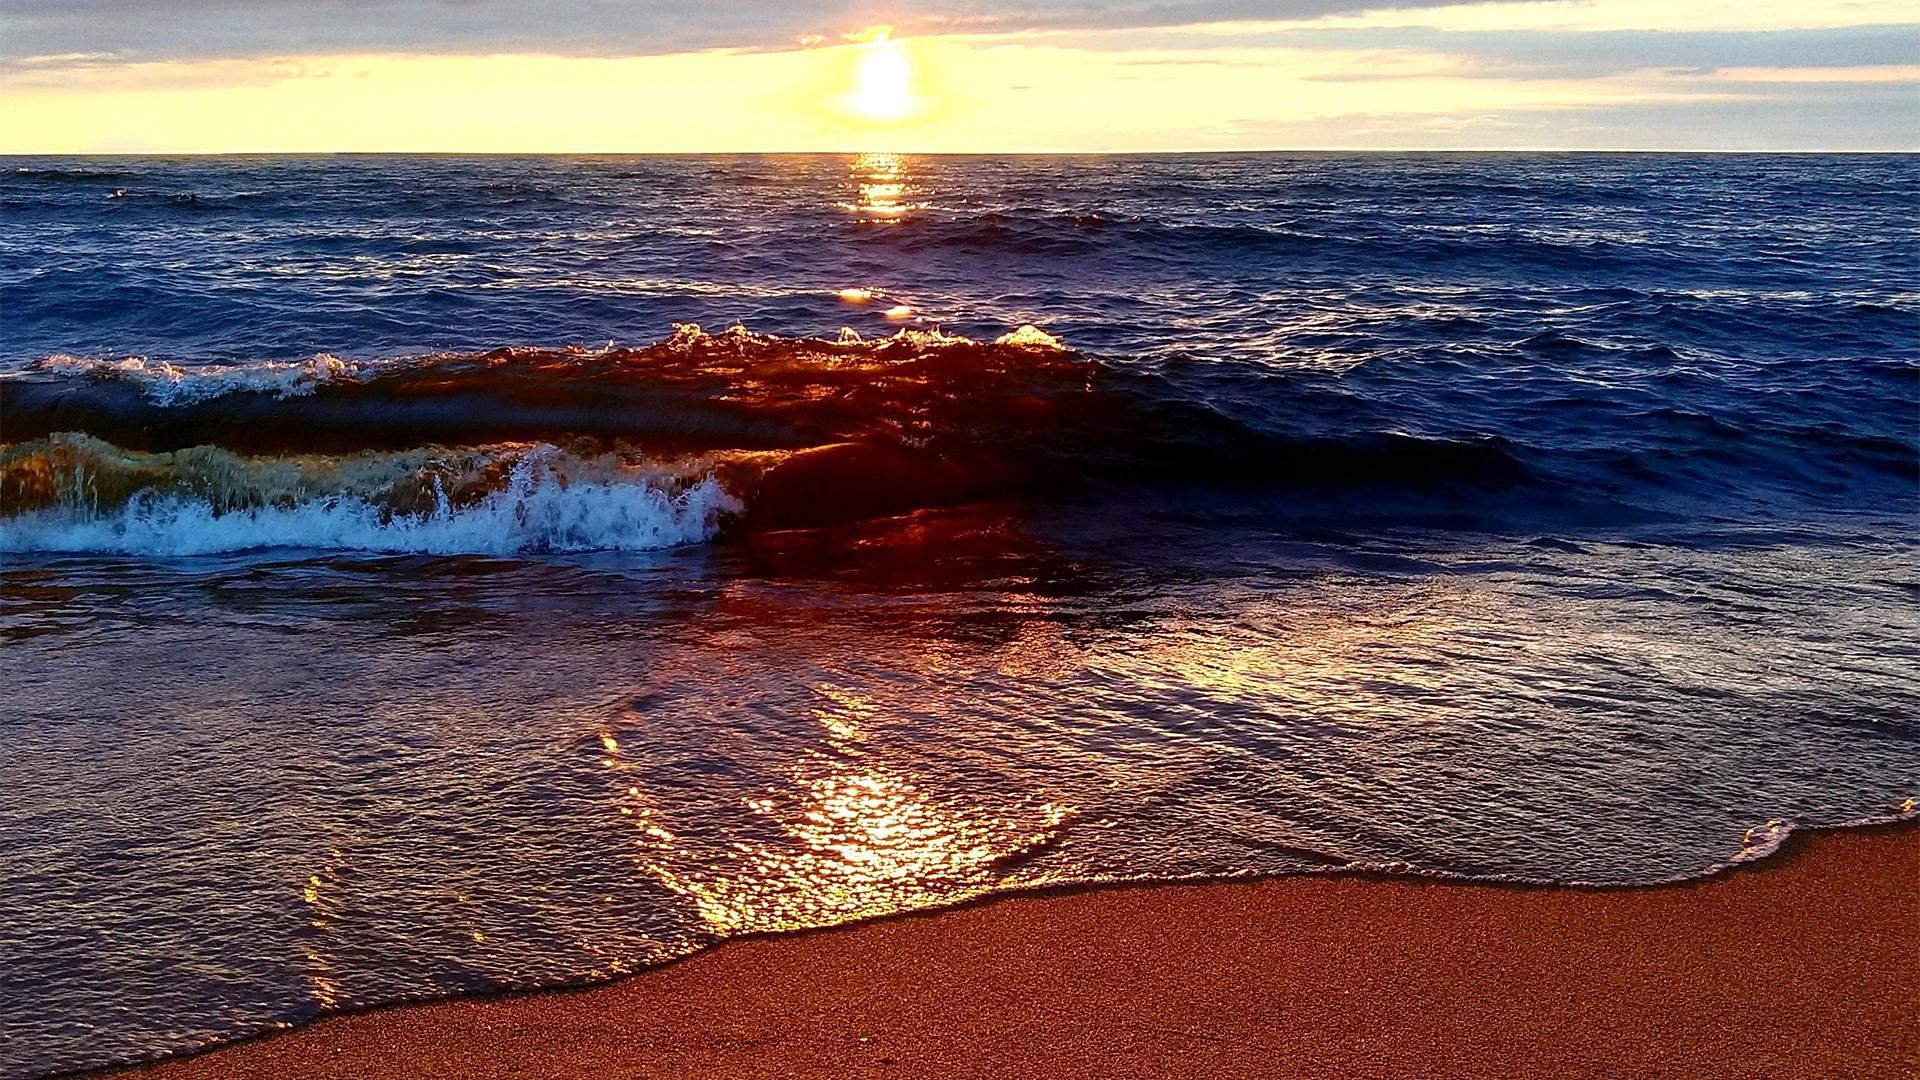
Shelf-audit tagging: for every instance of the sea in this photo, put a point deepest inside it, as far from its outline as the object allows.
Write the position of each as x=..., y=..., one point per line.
x=424, y=576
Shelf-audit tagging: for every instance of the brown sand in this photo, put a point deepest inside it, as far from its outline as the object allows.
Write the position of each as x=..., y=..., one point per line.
x=1806, y=966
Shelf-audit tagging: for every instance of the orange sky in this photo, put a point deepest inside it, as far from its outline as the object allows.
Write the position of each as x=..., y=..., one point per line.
x=1612, y=73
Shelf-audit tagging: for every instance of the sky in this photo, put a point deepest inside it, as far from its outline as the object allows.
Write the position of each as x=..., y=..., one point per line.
x=137, y=76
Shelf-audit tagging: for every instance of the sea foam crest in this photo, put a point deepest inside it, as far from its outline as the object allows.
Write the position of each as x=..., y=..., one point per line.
x=1029, y=336
x=172, y=384
x=168, y=384
x=536, y=510
x=1762, y=841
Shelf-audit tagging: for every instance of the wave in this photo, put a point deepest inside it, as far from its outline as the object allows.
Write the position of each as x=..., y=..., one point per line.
x=172, y=384
x=1759, y=845
x=80, y=495
x=868, y=427
x=68, y=175
x=1033, y=232
x=690, y=392
x=187, y=200
x=1763, y=842
x=1019, y=404
x=166, y=384
x=798, y=432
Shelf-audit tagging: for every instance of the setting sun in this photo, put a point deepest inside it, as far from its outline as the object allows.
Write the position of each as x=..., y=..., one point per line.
x=884, y=82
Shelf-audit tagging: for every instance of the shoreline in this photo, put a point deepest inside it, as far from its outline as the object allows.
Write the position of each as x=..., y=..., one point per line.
x=1800, y=963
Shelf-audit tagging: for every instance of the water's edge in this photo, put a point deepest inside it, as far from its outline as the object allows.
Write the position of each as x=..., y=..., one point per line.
x=1775, y=849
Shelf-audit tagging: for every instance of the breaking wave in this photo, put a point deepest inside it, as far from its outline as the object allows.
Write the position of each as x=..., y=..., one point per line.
x=797, y=431
x=88, y=496
x=521, y=449
x=173, y=384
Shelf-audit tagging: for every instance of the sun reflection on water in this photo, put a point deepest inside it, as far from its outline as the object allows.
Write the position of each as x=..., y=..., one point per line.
x=847, y=836
x=317, y=895
x=883, y=188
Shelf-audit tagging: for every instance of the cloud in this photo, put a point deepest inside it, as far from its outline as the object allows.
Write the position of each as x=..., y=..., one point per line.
x=66, y=59
x=1727, y=115
x=50, y=34
x=1051, y=74
x=1538, y=54
x=149, y=30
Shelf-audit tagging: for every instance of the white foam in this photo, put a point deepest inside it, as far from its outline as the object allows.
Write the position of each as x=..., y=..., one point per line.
x=1030, y=336
x=537, y=511
x=1762, y=841
x=171, y=384
x=167, y=383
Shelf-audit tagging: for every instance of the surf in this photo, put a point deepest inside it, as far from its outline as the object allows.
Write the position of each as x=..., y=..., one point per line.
x=80, y=495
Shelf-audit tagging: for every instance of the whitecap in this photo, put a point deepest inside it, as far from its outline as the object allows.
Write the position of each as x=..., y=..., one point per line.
x=537, y=510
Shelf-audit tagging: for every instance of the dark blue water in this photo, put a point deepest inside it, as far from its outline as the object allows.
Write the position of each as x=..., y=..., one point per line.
x=401, y=596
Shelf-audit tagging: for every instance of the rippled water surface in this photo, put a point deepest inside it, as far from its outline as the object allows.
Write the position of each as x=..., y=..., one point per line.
x=401, y=596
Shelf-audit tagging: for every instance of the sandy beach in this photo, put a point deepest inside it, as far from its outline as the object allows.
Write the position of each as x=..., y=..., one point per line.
x=1802, y=966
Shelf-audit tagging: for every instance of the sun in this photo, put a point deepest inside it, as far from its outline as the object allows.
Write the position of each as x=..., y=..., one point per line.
x=883, y=83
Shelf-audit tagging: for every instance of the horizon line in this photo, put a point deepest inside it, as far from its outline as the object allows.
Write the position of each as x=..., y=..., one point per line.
x=1215, y=151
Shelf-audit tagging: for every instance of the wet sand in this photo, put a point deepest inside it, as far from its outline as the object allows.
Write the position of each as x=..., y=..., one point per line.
x=1807, y=965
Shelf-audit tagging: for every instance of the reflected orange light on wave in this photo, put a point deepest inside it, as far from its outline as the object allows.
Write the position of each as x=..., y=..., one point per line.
x=850, y=837
x=882, y=188
x=315, y=894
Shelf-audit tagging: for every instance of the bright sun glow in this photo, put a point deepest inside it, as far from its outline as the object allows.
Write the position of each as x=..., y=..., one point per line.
x=884, y=87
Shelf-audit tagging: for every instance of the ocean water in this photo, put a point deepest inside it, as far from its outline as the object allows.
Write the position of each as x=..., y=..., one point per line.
x=432, y=575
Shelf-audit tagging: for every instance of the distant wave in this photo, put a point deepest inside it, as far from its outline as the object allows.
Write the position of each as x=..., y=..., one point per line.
x=173, y=384
x=67, y=175
x=168, y=384
x=187, y=200
x=1041, y=233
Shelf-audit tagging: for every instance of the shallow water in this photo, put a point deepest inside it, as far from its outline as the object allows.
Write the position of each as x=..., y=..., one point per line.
x=1507, y=516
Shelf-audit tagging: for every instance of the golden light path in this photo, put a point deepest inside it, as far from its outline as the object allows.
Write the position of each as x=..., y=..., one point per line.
x=318, y=895
x=883, y=192
x=883, y=198
x=850, y=836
